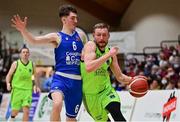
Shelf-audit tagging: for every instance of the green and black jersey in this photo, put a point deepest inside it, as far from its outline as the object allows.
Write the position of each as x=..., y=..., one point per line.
x=22, y=77
x=96, y=81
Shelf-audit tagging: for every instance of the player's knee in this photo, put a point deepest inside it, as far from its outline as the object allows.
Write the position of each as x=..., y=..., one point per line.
x=14, y=114
x=70, y=119
x=57, y=106
x=26, y=109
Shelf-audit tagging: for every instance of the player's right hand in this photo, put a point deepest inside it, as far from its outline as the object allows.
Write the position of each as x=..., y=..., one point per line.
x=8, y=86
x=18, y=23
x=140, y=76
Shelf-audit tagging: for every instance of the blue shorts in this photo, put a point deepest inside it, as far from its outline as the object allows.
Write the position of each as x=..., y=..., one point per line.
x=72, y=91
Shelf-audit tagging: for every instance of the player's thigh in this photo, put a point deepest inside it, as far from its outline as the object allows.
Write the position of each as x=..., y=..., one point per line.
x=108, y=96
x=27, y=97
x=73, y=99
x=16, y=99
x=93, y=104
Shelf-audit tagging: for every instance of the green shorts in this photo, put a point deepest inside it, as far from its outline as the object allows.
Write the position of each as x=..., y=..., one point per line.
x=20, y=98
x=96, y=103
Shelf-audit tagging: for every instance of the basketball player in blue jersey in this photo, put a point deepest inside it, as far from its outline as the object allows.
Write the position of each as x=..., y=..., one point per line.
x=68, y=44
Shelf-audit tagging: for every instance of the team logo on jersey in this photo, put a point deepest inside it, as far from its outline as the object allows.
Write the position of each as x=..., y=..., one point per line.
x=77, y=38
x=74, y=45
x=72, y=58
x=101, y=72
x=30, y=70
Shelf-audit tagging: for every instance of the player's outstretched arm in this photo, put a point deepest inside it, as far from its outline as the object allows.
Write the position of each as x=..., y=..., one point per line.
x=20, y=24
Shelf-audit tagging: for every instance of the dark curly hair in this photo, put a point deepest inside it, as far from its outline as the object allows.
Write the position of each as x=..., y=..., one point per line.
x=64, y=10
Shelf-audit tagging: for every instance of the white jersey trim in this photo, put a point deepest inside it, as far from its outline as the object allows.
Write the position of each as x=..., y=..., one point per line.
x=71, y=76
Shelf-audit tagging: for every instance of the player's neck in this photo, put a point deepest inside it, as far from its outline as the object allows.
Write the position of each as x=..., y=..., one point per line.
x=24, y=61
x=102, y=49
x=67, y=31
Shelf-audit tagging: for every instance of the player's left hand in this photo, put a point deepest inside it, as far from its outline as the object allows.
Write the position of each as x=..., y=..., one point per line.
x=36, y=89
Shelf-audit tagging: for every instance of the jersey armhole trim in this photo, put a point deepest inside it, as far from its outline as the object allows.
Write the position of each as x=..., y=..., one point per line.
x=59, y=40
x=16, y=66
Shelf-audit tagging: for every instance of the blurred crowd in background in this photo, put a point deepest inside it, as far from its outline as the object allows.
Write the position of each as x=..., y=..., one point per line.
x=162, y=69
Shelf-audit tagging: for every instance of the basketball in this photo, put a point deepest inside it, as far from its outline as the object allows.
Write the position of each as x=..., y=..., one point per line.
x=138, y=87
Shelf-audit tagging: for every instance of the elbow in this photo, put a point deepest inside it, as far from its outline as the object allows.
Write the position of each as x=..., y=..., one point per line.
x=120, y=78
x=33, y=42
x=7, y=81
x=89, y=68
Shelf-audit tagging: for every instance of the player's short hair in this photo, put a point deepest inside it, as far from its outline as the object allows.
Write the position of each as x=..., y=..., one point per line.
x=23, y=47
x=101, y=25
x=64, y=10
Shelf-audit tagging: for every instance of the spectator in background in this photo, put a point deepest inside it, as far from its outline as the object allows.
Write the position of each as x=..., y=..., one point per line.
x=1, y=41
x=46, y=85
x=1, y=95
x=170, y=85
x=1, y=65
x=178, y=84
x=154, y=70
x=140, y=68
x=45, y=75
x=155, y=84
x=164, y=82
x=163, y=60
x=131, y=72
x=174, y=60
x=172, y=75
x=41, y=77
x=166, y=51
x=178, y=47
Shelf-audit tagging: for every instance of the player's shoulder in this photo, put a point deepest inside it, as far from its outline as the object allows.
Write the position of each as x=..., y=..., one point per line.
x=80, y=33
x=91, y=43
x=33, y=63
x=55, y=38
x=14, y=64
x=83, y=37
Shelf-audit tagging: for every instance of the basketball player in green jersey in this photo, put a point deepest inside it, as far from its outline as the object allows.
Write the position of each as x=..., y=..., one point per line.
x=98, y=94
x=19, y=81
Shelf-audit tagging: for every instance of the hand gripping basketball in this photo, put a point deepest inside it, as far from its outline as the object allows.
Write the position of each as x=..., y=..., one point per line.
x=138, y=87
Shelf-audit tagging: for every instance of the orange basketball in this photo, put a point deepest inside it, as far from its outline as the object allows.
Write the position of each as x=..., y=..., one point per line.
x=138, y=87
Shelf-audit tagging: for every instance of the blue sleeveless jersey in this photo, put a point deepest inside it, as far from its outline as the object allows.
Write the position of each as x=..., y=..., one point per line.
x=68, y=53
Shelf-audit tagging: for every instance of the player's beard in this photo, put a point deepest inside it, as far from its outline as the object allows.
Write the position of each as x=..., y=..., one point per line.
x=101, y=45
